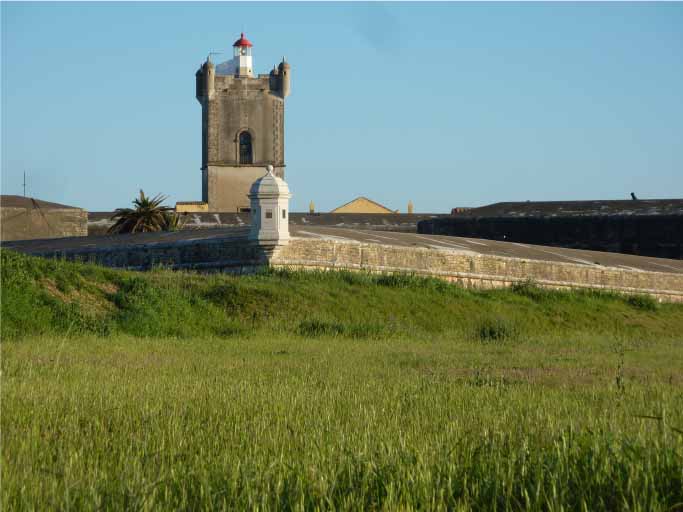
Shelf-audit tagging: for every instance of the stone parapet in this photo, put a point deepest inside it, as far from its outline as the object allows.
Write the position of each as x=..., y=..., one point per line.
x=478, y=271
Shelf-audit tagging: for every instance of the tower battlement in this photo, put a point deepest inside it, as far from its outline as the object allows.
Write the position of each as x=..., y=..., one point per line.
x=206, y=84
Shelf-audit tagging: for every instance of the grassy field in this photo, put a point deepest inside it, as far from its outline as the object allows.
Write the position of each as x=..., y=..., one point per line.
x=162, y=390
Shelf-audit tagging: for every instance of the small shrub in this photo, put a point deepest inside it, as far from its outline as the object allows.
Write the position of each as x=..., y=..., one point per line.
x=318, y=328
x=224, y=294
x=642, y=302
x=532, y=291
x=173, y=221
x=396, y=280
x=495, y=330
x=133, y=290
x=354, y=278
x=70, y=318
x=231, y=330
x=284, y=273
x=416, y=282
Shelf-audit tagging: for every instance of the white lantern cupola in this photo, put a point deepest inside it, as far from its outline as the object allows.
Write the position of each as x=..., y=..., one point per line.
x=242, y=58
x=269, y=198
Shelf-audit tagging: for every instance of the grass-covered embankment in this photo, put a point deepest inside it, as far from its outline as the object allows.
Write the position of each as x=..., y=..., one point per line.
x=166, y=391
x=49, y=297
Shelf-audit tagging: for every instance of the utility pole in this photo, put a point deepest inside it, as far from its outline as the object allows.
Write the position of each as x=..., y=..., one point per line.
x=24, y=183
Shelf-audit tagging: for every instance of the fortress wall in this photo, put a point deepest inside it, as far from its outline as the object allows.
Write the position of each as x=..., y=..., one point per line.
x=463, y=267
x=32, y=223
x=645, y=235
x=474, y=270
x=215, y=255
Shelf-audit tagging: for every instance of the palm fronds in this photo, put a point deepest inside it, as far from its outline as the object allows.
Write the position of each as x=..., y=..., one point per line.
x=147, y=215
x=173, y=221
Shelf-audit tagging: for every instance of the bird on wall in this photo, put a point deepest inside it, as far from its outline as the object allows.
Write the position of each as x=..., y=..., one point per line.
x=633, y=196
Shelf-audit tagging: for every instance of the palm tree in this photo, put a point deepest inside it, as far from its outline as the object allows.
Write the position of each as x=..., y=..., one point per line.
x=148, y=215
x=173, y=221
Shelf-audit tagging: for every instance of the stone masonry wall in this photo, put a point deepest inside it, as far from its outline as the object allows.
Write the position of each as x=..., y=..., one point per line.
x=480, y=271
x=209, y=255
x=34, y=223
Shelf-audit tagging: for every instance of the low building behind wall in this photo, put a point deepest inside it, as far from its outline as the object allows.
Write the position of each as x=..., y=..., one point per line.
x=646, y=228
x=362, y=205
x=26, y=218
x=191, y=207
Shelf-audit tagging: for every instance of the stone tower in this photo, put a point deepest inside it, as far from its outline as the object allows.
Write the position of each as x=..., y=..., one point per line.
x=243, y=124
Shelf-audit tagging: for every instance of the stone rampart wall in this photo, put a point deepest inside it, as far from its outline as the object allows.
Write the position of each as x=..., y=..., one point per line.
x=19, y=223
x=480, y=271
x=471, y=270
x=212, y=254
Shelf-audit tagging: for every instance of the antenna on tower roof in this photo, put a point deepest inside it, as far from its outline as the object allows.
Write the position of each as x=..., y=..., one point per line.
x=208, y=57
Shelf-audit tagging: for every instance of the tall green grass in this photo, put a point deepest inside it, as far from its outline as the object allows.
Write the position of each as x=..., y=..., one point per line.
x=287, y=423
x=342, y=391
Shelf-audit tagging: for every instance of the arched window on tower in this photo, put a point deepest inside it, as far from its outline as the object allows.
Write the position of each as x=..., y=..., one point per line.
x=246, y=155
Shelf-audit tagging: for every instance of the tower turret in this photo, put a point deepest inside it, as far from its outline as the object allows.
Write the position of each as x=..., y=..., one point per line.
x=206, y=80
x=283, y=71
x=210, y=73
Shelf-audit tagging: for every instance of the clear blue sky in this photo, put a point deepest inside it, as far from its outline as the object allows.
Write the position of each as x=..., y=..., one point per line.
x=447, y=104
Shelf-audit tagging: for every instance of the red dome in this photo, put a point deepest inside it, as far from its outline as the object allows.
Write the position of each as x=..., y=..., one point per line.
x=242, y=41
